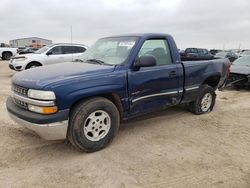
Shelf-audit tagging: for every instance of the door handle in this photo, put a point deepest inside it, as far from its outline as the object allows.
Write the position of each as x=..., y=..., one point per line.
x=173, y=74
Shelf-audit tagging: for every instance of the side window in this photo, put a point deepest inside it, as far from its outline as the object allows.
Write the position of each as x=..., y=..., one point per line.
x=191, y=50
x=79, y=49
x=67, y=49
x=194, y=50
x=157, y=48
x=56, y=50
x=200, y=51
x=205, y=51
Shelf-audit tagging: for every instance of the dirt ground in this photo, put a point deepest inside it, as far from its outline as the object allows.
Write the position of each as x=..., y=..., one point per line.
x=172, y=148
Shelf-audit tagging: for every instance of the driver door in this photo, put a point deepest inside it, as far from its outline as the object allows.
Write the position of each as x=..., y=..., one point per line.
x=154, y=87
x=55, y=56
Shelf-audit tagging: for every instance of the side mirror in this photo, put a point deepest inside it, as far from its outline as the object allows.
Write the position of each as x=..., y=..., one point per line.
x=145, y=61
x=49, y=53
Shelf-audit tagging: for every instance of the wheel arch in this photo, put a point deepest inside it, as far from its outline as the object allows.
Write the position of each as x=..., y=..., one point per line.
x=212, y=80
x=37, y=62
x=113, y=97
x=7, y=52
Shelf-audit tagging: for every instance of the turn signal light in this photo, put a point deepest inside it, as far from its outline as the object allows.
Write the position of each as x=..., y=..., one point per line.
x=43, y=110
x=49, y=110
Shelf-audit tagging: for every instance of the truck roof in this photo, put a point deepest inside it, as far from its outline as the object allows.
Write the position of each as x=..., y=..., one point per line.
x=141, y=35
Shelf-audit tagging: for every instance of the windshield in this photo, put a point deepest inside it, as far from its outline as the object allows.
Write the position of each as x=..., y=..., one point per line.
x=42, y=50
x=243, y=61
x=112, y=51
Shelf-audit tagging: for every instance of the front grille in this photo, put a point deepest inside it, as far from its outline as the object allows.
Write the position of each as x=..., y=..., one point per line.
x=21, y=103
x=19, y=90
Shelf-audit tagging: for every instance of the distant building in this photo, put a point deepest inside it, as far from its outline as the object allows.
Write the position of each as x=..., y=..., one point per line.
x=34, y=42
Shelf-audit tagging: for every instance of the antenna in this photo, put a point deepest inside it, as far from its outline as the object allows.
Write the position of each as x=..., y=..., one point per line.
x=71, y=41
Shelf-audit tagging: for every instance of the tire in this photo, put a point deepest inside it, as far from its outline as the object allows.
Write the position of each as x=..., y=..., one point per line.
x=205, y=101
x=7, y=56
x=32, y=65
x=93, y=124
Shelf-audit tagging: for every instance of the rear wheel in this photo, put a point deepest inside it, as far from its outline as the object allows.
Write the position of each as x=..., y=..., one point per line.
x=93, y=124
x=205, y=101
x=6, y=56
x=33, y=65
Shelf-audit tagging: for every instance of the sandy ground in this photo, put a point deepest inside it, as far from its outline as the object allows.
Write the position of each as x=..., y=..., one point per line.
x=172, y=148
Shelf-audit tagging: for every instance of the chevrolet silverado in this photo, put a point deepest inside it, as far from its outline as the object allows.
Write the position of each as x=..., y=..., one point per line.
x=119, y=77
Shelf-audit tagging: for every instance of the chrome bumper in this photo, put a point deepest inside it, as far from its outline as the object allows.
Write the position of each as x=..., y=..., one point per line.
x=52, y=131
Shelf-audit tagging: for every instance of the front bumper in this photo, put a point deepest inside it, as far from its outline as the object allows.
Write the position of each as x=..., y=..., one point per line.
x=52, y=131
x=238, y=79
x=16, y=66
x=49, y=127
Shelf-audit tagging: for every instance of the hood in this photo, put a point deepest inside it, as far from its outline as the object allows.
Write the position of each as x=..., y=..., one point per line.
x=239, y=69
x=26, y=55
x=39, y=77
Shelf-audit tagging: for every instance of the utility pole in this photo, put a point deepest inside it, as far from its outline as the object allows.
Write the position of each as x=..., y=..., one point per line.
x=71, y=39
x=239, y=48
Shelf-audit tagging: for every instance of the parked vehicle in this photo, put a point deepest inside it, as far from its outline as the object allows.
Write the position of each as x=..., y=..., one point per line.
x=4, y=45
x=240, y=72
x=7, y=53
x=51, y=54
x=196, y=54
x=245, y=53
x=117, y=78
x=28, y=50
x=230, y=55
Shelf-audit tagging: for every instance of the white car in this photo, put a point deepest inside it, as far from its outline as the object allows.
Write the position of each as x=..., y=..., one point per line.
x=6, y=53
x=51, y=54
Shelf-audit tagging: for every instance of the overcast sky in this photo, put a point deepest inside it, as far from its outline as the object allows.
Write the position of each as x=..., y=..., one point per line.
x=193, y=23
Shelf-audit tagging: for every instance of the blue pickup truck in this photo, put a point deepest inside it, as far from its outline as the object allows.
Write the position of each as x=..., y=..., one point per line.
x=119, y=77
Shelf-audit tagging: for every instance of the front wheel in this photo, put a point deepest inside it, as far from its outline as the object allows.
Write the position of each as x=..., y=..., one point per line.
x=7, y=56
x=205, y=101
x=93, y=124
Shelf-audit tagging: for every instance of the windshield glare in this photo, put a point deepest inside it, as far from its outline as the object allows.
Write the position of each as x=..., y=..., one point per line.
x=244, y=61
x=42, y=50
x=113, y=51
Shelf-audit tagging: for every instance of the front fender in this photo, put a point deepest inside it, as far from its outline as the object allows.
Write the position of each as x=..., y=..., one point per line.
x=96, y=91
x=69, y=93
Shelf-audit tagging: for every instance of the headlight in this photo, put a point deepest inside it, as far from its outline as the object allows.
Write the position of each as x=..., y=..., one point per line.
x=42, y=110
x=42, y=95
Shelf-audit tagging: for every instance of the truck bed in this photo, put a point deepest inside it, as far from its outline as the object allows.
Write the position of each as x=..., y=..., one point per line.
x=197, y=72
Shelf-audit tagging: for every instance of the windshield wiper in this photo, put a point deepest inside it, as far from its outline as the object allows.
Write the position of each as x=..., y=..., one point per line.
x=100, y=62
x=78, y=60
